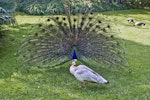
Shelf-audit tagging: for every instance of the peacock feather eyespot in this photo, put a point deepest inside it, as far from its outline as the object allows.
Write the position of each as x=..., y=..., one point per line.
x=73, y=14
x=57, y=18
x=108, y=26
x=106, y=38
x=99, y=22
x=93, y=30
x=103, y=29
x=48, y=19
x=43, y=30
x=112, y=36
x=50, y=25
x=82, y=24
x=65, y=24
x=74, y=20
x=90, y=25
x=60, y=23
x=39, y=25
x=101, y=35
x=90, y=18
x=113, y=45
x=118, y=53
x=117, y=43
x=83, y=18
x=35, y=34
x=87, y=29
x=46, y=34
x=97, y=26
x=64, y=18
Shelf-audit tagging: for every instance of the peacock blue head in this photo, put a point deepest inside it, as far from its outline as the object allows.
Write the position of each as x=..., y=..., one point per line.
x=74, y=56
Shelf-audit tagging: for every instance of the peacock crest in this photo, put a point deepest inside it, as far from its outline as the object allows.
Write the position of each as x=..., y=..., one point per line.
x=81, y=36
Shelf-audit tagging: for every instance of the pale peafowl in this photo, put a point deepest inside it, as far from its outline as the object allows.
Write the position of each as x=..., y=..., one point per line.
x=130, y=20
x=85, y=74
x=52, y=44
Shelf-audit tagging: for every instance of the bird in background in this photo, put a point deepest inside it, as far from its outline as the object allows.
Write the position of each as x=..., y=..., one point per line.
x=131, y=20
x=82, y=36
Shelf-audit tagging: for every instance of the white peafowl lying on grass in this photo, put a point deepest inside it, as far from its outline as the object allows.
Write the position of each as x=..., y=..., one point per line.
x=131, y=20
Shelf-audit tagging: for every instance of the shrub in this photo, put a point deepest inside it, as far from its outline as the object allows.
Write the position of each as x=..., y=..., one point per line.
x=56, y=7
x=139, y=3
x=35, y=8
x=5, y=18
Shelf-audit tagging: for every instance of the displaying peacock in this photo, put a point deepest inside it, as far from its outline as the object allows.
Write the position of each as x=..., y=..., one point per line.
x=83, y=36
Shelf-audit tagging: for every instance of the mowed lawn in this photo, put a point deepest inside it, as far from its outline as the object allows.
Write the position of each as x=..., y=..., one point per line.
x=19, y=83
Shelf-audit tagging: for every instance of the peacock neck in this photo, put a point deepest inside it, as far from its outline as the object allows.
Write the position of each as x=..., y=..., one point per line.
x=74, y=56
x=72, y=69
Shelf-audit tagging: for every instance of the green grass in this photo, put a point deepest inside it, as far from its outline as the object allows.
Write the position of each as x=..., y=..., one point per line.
x=18, y=83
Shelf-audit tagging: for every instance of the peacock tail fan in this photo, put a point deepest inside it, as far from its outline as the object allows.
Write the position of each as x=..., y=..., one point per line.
x=55, y=42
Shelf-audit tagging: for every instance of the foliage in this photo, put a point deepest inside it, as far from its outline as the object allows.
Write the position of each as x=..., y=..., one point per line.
x=35, y=8
x=55, y=6
x=139, y=3
x=110, y=6
x=5, y=18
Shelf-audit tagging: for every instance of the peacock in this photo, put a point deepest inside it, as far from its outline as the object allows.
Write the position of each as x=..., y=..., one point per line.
x=82, y=36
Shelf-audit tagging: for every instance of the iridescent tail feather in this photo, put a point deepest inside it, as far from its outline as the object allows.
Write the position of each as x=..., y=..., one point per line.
x=81, y=35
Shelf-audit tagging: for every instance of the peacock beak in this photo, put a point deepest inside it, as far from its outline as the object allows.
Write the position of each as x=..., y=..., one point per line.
x=106, y=82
